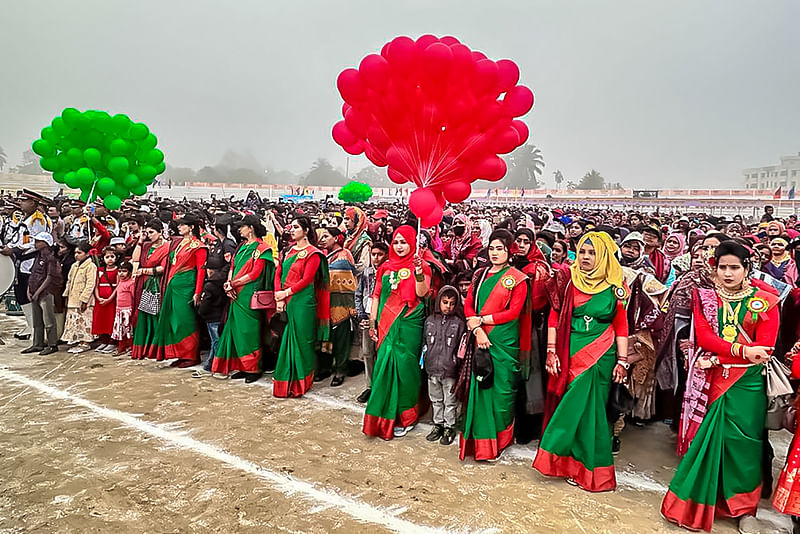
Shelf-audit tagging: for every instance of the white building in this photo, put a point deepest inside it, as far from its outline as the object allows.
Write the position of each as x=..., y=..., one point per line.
x=786, y=174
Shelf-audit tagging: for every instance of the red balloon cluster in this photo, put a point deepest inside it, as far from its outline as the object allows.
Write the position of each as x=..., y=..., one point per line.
x=437, y=114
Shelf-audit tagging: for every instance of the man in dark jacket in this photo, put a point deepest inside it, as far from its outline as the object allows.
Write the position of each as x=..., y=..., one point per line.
x=443, y=331
x=212, y=304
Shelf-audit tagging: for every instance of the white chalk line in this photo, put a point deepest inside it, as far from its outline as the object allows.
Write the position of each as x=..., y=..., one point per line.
x=281, y=482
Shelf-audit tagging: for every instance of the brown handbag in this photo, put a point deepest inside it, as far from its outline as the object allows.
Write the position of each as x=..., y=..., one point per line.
x=263, y=300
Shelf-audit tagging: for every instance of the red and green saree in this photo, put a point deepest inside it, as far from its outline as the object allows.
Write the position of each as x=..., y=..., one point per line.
x=576, y=442
x=720, y=474
x=305, y=273
x=177, y=335
x=145, y=324
x=240, y=343
x=489, y=413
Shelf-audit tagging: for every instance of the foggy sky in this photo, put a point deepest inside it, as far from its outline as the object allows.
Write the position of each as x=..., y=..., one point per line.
x=654, y=94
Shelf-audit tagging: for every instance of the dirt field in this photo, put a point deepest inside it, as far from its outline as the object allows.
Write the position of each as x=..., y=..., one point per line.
x=89, y=443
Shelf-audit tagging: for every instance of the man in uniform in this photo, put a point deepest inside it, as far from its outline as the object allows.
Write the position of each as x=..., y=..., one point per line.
x=33, y=222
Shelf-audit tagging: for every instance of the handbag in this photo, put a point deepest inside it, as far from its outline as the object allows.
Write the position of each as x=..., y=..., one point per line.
x=150, y=302
x=263, y=300
x=483, y=368
x=781, y=411
x=619, y=398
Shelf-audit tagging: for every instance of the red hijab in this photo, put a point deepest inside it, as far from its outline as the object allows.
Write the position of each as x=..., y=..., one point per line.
x=407, y=287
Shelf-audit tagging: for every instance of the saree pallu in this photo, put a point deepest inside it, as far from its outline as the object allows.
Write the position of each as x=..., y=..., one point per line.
x=176, y=334
x=787, y=493
x=720, y=475
x=396, y=377
x=489, y=413
x=294, y=371
x=144, y=331
x=576, y=443
x=241, y=340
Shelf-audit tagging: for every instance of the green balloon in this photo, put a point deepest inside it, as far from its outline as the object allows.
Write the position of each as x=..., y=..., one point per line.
x=60, y=127
x=49, y=135
x=121, y=123
x=112, y=202
x=139, y=131
x=82, y=122
x=139, y=190
x=94, y=138
x=85, y=195
x=75, y=157
x=104, y=186
x=131, y=181
x=93, y=157
x=154, y=157
x=149, y=142
x=119, y=147
x=146, y=172
x=50, y=164
x=118, y=165
x=161, y=167
x=85, y=177
x=59, y=176
x=70, y=116
x=71, y=180
x=43, y=148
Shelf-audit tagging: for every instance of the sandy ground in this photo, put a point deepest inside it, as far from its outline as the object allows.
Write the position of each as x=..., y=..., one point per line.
x=90, y=443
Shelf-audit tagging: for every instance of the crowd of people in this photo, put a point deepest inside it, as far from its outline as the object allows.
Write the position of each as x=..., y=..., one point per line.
x=511, y=323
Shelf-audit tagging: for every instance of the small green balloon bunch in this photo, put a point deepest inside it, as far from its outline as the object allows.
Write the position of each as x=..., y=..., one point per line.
x=105, y=156
x=355, y=192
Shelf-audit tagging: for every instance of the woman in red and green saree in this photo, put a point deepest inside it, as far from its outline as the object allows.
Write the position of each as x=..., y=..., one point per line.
x=787, y=493
x=150, y=256
x=252, y=269
x=397, y=319
x=177, y=335
x=301, y=289
x=498, y=316
x=587, y=346
x=736, y=326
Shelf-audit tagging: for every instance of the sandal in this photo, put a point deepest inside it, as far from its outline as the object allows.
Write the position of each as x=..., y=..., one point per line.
x=337, y=381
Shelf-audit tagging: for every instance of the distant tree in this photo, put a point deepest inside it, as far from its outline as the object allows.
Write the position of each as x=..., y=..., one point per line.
x=208, y=174
x=3, y=159
x=615, y=186
x=180, y=175
x=30, y=164
x=558, y=178
x=571, y=185
x=373, y=176
x=592, y=180
x=525, y=166
x=323, y=173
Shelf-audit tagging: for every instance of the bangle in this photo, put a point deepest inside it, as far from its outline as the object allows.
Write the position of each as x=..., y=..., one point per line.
x=737, y=350
x=624, y=364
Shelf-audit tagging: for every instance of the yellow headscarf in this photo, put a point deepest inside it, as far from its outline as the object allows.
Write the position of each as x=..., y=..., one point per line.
x=607, y=271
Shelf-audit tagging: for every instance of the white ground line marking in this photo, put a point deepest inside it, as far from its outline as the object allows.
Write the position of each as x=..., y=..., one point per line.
x=283, y=483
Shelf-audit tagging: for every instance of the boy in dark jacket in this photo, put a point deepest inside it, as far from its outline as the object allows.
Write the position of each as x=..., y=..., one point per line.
x=443, y=331
x=212, y=304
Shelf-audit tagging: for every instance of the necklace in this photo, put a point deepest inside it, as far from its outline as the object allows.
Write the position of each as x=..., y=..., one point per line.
x=730, y=296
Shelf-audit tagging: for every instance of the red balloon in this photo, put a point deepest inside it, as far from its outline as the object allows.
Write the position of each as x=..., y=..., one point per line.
x=449, y=40
x=385, y=50
x=518, y=101
x=456, y=192
x=478, y=55
x=424, y=41
x=355, y=149
x=437, y=59
x=342, y=134
x=400, y=53
x=463, y=62
x=522, y=130
x=422, y=202
x=433, y=218
x=398, y=160
x=492, y=168
x=486, y=76
x=350, y=86
x=375, y=155
x=357, y=122
x=345, y=107
x=374, y=70
x=489, y=115
x=378, y=137
x=395, y=176
x=508, y=73
x=505, y=141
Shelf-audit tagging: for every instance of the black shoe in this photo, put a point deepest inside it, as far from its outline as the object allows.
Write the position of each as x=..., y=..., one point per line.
x=448, y=436
x=337, y=381
x=615, y=444
x=436, y=433
x=48, y=350
x=364, y=397
x=31, y=350
x=238, y=375
x=22, y=337
x=252, y=377
x=322, y=376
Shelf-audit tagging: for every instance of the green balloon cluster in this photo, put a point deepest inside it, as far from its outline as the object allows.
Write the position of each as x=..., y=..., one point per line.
x=355, y=192
x=105, y=156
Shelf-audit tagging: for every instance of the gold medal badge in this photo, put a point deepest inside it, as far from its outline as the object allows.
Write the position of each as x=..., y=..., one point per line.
x=508, y=282
x=302, y=254
x=729, y=333
x=621, y=293
x=757, y=305
x=404, y=273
